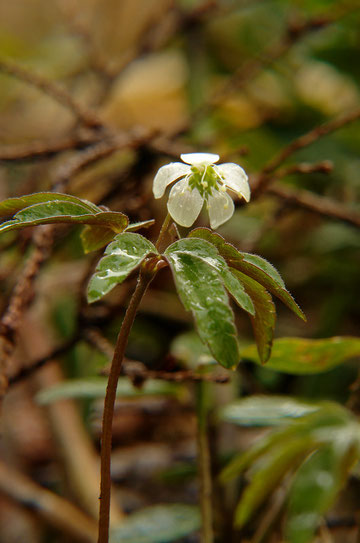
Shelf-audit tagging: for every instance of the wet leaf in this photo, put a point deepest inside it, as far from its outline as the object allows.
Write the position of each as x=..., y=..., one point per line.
x=11, y=206
x=96, y=237
x=305, y=356
x=60, y=211
x=209, y=254
x=201, y=290
x=265, y=410
x=95, y=387
x=190, y=350
x=157, y=524
x=254, y=266
x=123, y=255
x=263, y=322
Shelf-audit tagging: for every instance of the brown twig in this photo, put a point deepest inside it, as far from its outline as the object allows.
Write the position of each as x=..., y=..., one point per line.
x=21, y=298
x=318, y=204
x=60, y=94
x=38, y=150
x=54, y=509
x=266, y=177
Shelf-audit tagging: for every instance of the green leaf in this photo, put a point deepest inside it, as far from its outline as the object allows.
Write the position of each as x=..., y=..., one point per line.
x=95, y=387
x=209, y=254
x=263, y=322
x=157, y=524
x=12, y=205
x=305, y=356
x=190, y=350
x=254, y=266
x=96, y=237
x=58, y=211
x=314, y=490
x=265, y=410
x=123, y=255
x=202, y=292
x=274, y=467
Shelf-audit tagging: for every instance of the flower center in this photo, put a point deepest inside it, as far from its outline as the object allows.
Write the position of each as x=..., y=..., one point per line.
x=204, y=178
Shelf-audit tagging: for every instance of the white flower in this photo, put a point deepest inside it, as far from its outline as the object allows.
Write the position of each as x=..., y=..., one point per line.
x=201, y=180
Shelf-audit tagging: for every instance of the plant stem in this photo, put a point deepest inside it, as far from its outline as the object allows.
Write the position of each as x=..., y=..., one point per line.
x=204, y=464
x=109, y=403
x=106, y=436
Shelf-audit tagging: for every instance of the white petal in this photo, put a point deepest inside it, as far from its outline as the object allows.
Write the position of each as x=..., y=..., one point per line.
x=166, y=175
x=235, y=178
x=199, y=158
x=221, y=208
x=184, y=205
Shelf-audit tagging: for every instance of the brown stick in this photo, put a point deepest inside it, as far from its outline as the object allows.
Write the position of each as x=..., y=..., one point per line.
x=265, y=177
x=60, y=94
x=318, y=204
x=52, y=508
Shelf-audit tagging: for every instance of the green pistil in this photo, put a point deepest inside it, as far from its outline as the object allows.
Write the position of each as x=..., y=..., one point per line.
x=204, y=179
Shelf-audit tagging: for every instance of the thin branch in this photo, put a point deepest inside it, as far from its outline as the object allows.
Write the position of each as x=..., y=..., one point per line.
x=265, y=177
x=57, y=92
x=38, y=150
x=318, y=204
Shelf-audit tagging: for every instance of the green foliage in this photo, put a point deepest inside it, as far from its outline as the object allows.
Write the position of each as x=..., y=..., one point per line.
x=157, y=524
x=327, y=431
x=95, y=387
x=123, y=255
x=300, y=356
x=198, y=280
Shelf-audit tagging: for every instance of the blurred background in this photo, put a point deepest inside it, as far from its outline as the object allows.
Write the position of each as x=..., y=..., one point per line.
x=95, y=96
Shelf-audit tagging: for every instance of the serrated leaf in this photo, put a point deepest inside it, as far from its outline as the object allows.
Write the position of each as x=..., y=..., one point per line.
x=254, y=266
x=300, y=356
x=209, y=254
x=265, y=410
x=123, y=255
x=203, y=293
x=12, y=205
x=157, y=524
x=314, y=490
x=263, y=322
x=96, y=237
x=267, y=477
x=95, y=387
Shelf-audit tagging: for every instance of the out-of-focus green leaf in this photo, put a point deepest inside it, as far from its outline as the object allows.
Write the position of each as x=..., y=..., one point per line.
x=314, y=490
x=202, y=292
x=254, y=266
x=157, y=524
x=265, y=410
x=95, y=387
x=276, y=464
x=123, y=256
x=189, y=349
x=305, y=356
x=263, y=321
x=96, y=237
x=13, y=205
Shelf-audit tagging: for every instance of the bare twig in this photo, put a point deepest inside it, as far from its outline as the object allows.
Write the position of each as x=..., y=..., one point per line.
x=318, y=204
x=21, y=298
x=37, y=150
x=58, y=93
x=266, y=177
x=54, y=509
